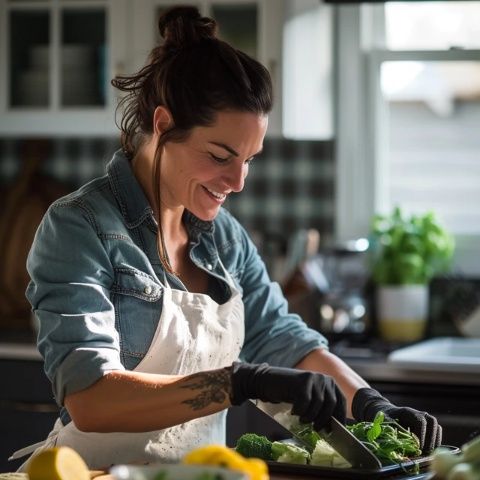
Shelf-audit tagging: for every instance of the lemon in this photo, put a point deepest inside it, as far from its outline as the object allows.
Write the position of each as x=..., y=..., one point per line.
x=58, y=463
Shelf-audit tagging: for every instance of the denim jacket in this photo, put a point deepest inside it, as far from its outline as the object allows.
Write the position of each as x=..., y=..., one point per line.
x=97, y=283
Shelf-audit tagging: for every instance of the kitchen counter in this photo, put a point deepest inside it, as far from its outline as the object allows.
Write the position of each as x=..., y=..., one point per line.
x=371, y=365
x=379, y=370
x=275, y=476
x=450, y=397
x=19, y=351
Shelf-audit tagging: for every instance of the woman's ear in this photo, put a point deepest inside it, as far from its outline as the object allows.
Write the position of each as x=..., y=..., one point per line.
x=162, y=120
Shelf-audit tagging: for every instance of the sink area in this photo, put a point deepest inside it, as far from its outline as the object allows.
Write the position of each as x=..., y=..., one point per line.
x=444, y=353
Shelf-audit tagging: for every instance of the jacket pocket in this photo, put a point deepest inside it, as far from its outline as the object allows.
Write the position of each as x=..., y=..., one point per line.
x=137, y=299
x=130, y=281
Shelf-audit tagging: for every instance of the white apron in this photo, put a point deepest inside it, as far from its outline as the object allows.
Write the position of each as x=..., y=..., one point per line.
x=194, y=334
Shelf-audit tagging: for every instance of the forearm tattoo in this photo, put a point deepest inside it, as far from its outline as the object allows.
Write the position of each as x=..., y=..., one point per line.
x=213, y=387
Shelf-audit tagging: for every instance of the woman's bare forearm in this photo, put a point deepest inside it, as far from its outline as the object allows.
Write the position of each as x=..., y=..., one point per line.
x=322, y=361
x=126, y=401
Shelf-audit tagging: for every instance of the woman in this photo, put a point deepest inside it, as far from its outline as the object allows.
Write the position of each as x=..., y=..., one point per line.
x=148, y=292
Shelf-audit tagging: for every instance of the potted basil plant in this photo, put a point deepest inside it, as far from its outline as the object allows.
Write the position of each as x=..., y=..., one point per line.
x=406, y=252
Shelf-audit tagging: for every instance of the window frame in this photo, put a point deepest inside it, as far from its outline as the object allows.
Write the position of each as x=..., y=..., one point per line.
x=362, y=124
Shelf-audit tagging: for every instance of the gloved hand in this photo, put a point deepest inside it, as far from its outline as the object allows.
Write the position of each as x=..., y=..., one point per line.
x=367, y=402
x=315, y=397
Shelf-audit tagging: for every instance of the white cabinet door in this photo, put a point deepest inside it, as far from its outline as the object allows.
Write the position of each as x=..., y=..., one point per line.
x=58, y=58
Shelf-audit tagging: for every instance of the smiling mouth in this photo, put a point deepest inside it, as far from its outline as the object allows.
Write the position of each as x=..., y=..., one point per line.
x=218, y=196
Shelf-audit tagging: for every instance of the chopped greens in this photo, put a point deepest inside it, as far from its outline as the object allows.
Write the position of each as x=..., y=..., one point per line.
x=307, y=435
x=289, y=453
x=388, y=440
x=325, y=455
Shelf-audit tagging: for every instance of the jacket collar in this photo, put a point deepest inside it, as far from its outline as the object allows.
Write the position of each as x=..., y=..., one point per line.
x=133, y=201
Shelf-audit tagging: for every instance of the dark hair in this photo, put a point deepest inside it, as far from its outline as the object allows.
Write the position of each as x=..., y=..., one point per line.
x=194, y=75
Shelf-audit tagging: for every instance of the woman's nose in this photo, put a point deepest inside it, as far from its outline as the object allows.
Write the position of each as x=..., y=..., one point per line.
x=236, y=176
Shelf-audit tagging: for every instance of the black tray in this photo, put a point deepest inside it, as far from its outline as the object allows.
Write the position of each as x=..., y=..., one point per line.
x=357, y=473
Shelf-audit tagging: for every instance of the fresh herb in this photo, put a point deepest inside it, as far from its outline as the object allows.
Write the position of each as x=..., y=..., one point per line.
x=388, y=440
x=306, y=434
x=408, y=249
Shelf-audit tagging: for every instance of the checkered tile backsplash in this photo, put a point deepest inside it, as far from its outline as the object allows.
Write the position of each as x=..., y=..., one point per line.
x=290, y=185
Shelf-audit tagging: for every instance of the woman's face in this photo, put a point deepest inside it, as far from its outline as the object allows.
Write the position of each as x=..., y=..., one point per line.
x=213, y=162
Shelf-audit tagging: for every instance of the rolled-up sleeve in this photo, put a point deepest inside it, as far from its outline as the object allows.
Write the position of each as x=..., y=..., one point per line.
x=272, y=334
x=71, y=275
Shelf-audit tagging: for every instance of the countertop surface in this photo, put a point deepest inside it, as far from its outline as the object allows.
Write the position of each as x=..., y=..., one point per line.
x=19, y=351
x=97, y=475
x=369, y=361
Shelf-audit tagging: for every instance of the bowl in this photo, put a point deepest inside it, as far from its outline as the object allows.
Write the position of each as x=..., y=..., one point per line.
x=174, y=472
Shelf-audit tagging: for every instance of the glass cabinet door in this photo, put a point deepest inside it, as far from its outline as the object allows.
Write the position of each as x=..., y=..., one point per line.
x=83, y=58
x=57, y=55
x=238, y=25
x=29, y=58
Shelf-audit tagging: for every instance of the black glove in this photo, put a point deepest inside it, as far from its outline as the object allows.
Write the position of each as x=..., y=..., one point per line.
x=315, y=397
x=367, y=402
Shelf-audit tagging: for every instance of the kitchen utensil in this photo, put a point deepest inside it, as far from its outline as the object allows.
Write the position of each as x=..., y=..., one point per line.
x=336, y=434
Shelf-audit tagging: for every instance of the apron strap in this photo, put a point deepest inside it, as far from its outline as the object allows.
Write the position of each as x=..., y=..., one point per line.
x=26, y=450
x=48, y=442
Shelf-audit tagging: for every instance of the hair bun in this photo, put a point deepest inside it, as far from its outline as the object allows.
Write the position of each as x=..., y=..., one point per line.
x=184, y=26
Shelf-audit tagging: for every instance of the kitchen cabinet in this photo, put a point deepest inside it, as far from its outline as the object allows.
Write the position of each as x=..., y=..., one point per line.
x=57, y=57
x=56, y=60
x=27, y=408
x=254, y=26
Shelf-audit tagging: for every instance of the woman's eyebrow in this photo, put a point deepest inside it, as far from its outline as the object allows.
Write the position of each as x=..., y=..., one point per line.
x=226, y=147
x=231, y=150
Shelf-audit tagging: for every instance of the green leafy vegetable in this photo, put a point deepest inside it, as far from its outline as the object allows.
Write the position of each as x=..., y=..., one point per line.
x=376, y=429
x=289, y=453
x=325, y=455
x=388, y=440
x=252, y=445
x=408, y=250
x=306, y=434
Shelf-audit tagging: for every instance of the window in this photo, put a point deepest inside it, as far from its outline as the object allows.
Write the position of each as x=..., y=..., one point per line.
x=408, y=129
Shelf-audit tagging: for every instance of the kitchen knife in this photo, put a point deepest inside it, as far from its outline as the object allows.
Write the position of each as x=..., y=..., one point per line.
x=335, y=433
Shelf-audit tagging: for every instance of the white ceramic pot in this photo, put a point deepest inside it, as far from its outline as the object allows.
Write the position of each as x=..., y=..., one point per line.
x=402, y=312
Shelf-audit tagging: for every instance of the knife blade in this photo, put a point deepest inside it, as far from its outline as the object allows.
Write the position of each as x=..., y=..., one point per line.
x=335, y=433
